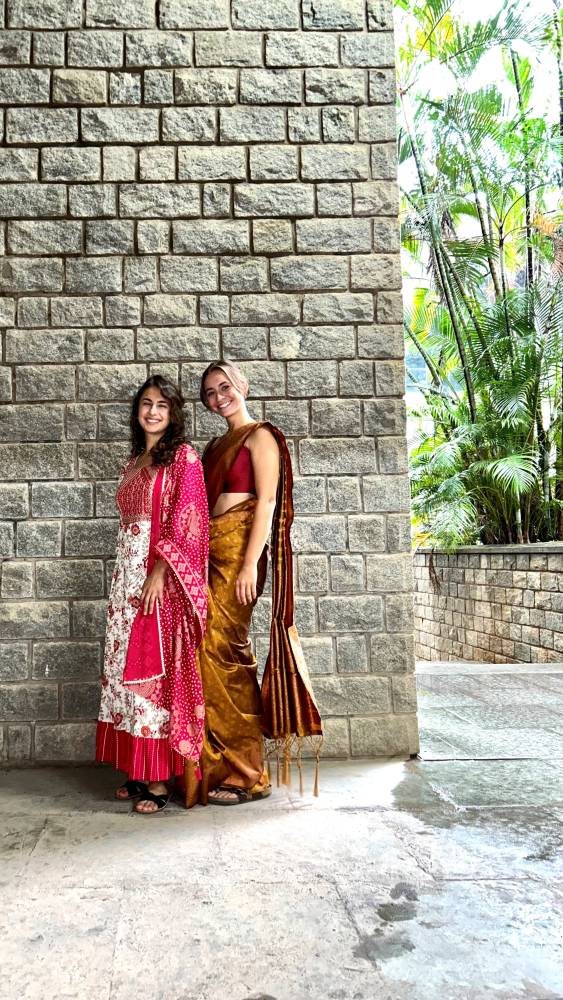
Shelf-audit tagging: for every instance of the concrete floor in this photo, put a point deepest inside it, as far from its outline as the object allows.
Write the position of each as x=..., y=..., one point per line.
x=437, y=879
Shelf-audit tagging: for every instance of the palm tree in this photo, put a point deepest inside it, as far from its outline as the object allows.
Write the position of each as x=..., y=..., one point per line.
x=480, y=169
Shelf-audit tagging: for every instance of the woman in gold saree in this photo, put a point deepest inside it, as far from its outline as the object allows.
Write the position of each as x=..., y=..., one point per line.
x=248, y=481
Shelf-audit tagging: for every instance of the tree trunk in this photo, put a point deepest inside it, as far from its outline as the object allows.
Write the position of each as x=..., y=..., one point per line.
x=443, y=278
x=527, y=185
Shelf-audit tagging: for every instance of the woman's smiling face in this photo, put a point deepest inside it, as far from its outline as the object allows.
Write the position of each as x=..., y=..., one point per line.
x=154, y=412
x=221, y=395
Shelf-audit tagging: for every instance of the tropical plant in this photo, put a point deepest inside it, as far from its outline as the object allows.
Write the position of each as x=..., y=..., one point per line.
x=480, y=172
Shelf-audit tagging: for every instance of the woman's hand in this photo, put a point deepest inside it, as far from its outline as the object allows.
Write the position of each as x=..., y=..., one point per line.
x=245, y=586
x=153, y=588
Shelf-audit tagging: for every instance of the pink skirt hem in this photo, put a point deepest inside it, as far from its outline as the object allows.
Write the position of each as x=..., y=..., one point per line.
x=141, y=758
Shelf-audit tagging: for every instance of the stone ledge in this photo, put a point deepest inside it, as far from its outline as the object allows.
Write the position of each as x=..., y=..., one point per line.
x=467, y=667
x=531, y=548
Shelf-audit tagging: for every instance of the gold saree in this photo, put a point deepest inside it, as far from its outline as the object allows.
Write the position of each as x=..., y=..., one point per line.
x=238, y=715
x=232, y=750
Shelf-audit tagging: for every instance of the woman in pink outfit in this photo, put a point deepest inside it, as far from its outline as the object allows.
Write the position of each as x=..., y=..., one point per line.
x=151, y=718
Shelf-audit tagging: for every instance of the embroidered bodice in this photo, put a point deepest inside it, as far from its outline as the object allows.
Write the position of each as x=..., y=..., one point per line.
x=134, y=493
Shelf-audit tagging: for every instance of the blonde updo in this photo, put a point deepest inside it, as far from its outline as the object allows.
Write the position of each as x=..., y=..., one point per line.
x=232, y=373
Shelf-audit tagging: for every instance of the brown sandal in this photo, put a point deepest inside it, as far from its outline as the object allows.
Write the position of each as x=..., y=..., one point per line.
x=242, y=795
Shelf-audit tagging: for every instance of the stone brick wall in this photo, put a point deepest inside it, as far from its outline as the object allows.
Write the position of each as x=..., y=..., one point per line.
x=182, y=180
x=498, y=604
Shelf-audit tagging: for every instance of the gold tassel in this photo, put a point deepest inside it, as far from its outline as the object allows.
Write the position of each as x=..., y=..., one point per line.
x=318, y=747
x=287, y=762
x=316, y=743
x=289, y=748
x=299, y=764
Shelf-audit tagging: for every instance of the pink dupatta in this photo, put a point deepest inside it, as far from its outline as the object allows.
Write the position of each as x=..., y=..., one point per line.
x=161, y=663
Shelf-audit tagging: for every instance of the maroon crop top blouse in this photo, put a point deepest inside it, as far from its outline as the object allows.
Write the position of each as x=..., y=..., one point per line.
x=240, y=478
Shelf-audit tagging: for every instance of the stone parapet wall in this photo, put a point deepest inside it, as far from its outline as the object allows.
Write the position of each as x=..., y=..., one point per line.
x=178, y=181
x=496, y=604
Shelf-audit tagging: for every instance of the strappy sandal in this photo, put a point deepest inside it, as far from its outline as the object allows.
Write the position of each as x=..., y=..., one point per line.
x=133, y=788
x=160, y=800
x=242, y=795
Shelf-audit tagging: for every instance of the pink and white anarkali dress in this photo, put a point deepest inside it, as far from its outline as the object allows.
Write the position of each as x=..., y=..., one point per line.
x=152, y=713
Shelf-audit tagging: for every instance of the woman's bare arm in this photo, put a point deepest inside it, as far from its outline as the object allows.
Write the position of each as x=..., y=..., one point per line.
x=265, y=456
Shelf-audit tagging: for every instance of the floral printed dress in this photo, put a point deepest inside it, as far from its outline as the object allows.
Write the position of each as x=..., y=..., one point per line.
x=134, y=729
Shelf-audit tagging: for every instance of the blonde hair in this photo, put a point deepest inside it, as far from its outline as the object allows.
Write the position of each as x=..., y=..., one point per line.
x=231, y=371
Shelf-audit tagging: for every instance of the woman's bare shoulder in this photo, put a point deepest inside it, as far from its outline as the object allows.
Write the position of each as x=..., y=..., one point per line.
x=262, y=438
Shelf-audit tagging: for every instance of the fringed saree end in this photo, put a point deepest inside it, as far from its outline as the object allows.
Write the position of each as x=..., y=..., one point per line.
x=288, y=752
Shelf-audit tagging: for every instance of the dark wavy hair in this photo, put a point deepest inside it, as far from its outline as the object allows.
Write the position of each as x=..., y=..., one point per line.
x=174, y=435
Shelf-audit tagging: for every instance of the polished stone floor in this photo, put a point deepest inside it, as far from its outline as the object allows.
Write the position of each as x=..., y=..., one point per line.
x=434, y=879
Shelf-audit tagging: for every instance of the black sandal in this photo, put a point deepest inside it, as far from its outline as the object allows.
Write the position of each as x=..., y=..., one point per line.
x=160, y=800
x=134, y=789
x=242, y=795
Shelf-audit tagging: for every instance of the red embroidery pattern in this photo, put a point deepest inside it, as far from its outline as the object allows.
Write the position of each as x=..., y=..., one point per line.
x=190, y=522
x=191, y=583
x=134, y=495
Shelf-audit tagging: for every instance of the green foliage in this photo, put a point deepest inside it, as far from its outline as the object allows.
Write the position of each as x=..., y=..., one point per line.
x=483, y=238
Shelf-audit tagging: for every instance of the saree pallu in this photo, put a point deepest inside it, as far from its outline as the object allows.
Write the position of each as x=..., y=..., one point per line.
x=239, y=715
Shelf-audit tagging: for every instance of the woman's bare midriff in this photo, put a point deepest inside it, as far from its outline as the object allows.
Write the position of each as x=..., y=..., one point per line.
x=227, y=500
